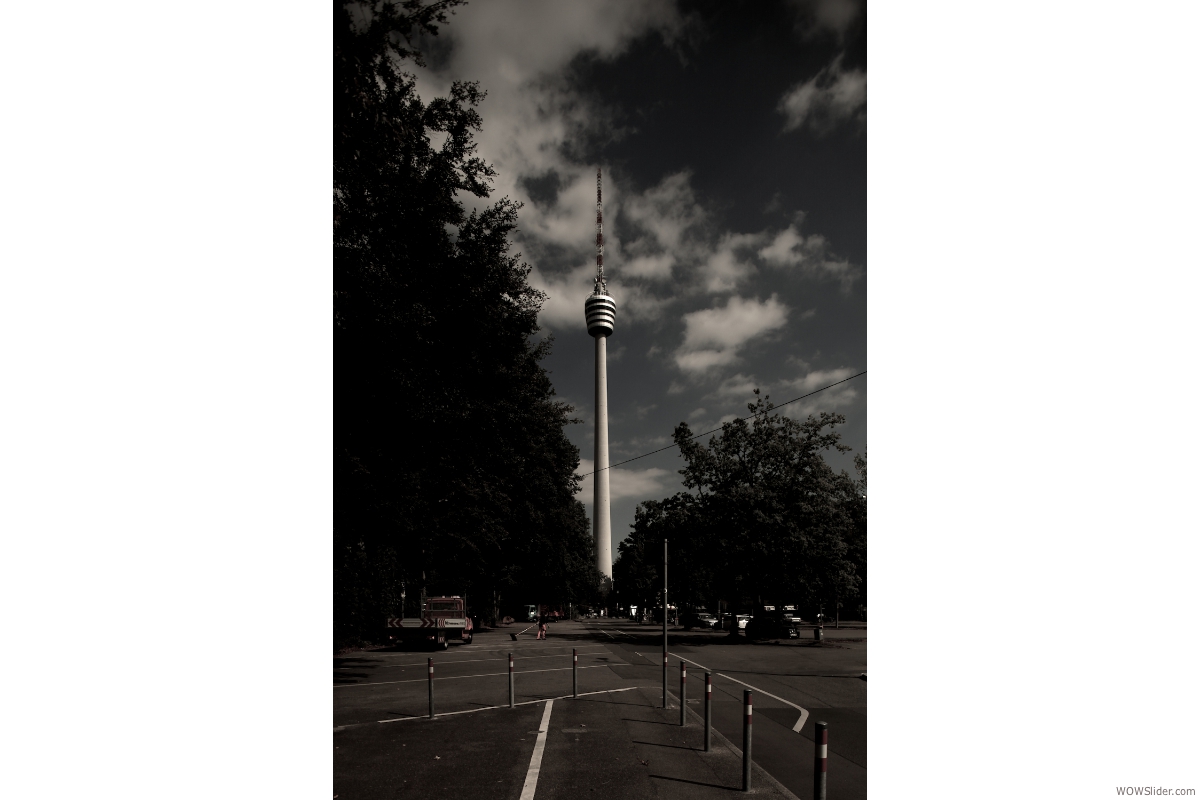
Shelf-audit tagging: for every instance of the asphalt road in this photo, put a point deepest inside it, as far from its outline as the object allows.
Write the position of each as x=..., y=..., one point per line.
x=615, y=739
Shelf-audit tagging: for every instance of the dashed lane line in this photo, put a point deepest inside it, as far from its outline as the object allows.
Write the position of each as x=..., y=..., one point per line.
x=475, y=649
x=601, y=630
x=478, y=675
x=472, y=660
x=606, y=633
x=473, y=710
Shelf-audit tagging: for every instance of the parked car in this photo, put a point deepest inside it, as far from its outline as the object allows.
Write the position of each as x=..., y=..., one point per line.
x=770, y=625
x=706, y=621
x=743, y=620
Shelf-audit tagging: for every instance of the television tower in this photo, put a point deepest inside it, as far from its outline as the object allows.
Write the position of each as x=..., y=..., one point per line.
x=600, y=311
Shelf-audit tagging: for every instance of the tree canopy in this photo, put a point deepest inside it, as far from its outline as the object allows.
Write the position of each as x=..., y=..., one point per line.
x=452, y=473
x=765, y=519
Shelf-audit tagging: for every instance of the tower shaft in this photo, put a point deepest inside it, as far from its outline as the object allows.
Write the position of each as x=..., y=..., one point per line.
x=601, y=520
x=600, y=312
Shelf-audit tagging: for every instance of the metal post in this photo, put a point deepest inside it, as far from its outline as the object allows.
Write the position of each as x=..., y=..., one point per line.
x=682, y=693
x=665, y=679
x=821, y=737
x=747, y=730
x=707, y=711
x=574, y=672
x=512, y=694
x=665, y=648
x=431, y=688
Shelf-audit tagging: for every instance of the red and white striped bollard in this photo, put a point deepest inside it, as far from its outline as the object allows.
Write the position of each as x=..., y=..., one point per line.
x=821, y=762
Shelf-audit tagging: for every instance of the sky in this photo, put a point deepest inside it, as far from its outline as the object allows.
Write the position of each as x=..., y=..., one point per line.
x=733, y=143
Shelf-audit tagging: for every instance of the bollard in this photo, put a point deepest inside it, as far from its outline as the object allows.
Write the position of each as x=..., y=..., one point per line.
x=431, y=688
x=821, y=762
x=664, y=667
x=682, y=693
x=707, y=711
x=575, y=672
x=512, y=694
x=747, y=730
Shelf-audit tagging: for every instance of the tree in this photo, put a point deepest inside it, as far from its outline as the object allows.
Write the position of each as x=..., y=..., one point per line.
x=765, y=516
x=636, y=579
x=451, y=469
x=854, y=496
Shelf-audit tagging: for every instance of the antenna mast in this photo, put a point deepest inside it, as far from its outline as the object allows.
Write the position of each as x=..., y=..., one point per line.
x=601, y=286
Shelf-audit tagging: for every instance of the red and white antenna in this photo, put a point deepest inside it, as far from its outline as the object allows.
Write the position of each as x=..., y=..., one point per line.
x=601, y=286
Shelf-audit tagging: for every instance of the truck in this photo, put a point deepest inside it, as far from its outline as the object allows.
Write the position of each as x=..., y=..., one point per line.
x=444, y=620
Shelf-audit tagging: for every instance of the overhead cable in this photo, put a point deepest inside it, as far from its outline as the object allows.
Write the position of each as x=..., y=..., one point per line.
x=714, y=430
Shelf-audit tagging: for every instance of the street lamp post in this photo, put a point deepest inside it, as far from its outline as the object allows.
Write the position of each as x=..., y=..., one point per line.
x=665, y=623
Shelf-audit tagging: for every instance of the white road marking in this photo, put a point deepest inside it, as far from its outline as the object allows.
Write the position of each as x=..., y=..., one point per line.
x=479, y=675
x=606, y=633
x=803, y=711
x=484, y=708
x=473, y=660
x=515, y=647
x=535, y=763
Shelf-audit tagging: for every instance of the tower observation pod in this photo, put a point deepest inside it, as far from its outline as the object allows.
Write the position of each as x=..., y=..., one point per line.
x=600, y=311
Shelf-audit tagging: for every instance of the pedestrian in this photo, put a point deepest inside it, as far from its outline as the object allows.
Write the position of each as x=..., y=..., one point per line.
x=541, y=628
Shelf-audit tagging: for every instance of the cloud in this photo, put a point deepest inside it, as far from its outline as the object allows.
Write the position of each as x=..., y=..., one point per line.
x=657, y=221
x=837, y=397
x=728, y=267
x=738, y=387
x=643, y=411
x=811, y=254
x=827, y=100
x=565, y=293
x=622, y=483
x=834, y=16
x=662, y=245
x=703, y=360
x=656, y=267
x=520, y=52
x=640, y=305
x=520, y=40
x=639, y=445
x=712, y=337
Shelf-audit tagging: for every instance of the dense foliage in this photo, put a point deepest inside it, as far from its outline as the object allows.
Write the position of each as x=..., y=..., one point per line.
x=765, y=520
x=452, y=473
